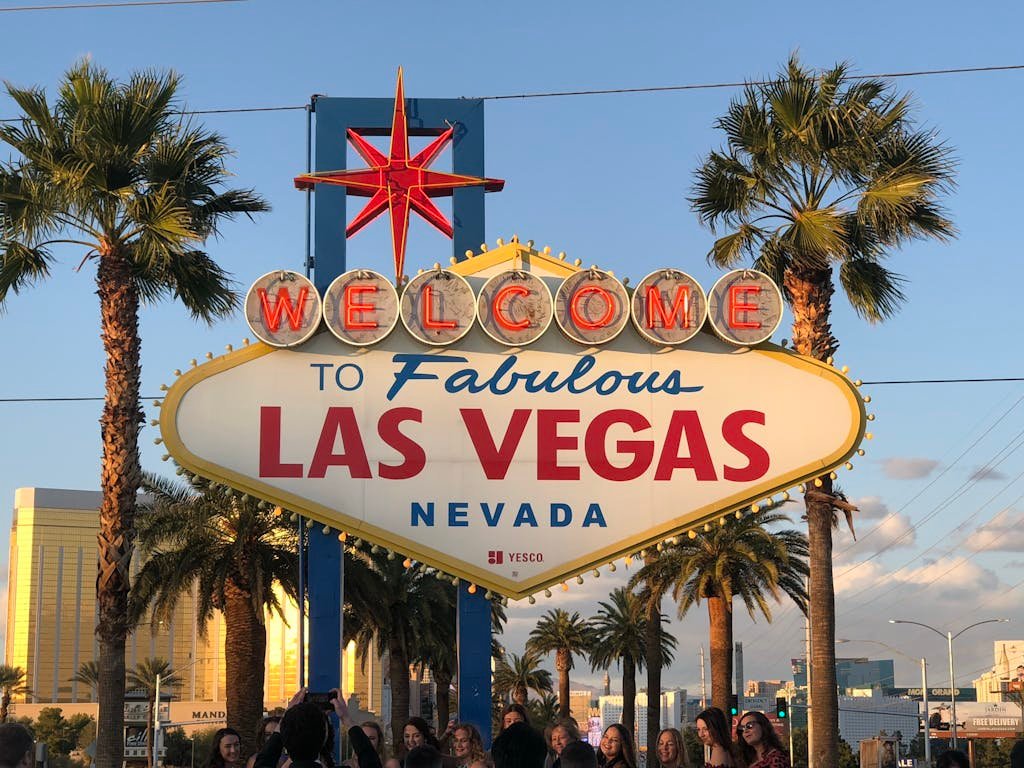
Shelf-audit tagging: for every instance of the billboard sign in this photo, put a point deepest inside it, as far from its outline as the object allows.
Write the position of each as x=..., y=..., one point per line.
x=975, y=720
x=513, y=467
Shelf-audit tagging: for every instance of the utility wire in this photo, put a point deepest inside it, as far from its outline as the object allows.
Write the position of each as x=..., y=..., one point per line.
x=548, y=94
x=78, y=6
x=709, y=86
x=160, y=397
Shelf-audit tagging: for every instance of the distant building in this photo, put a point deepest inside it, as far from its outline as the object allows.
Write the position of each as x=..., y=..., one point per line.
x=764, y=688
x=580, y=704
x=673, y=713
x=852, y=673
x=1007, y=673
x=51, y=617
x=864, y=717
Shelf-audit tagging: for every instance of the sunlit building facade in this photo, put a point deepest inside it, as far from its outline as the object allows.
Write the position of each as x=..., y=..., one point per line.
x=51, y=616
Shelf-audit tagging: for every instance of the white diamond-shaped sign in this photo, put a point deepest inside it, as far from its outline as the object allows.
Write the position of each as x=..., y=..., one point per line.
x=513, y=468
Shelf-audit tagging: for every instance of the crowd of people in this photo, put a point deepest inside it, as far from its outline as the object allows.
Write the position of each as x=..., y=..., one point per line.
x=517, y=745
x=304, y=738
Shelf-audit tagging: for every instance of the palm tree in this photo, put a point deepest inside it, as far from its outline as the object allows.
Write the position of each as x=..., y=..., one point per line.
x=543, y=711
x=12, y=683
x=111, y=168
x=242, y=555
x=392, y=608
x=620, y=636
x=88, y=674
x=516, y=676
x=565, y=634
x=149, y=675
x=823, y=173
x=747, y=559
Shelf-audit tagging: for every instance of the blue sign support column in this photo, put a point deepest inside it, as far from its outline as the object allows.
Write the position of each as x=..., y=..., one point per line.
x=426, y=117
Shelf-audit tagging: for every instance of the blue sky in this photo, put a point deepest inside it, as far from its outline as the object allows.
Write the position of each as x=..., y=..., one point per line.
x=604, y=178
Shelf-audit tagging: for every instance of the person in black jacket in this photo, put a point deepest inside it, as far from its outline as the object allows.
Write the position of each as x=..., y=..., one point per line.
x=305, y=731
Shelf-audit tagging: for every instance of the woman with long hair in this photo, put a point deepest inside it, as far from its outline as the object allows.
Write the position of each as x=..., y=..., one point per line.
x=669, y=750
x=617, y=750
x=760, y=746
x=713, y=731
x=225, y=750
x=375, y=734
x=417, y=733
x=468, y=746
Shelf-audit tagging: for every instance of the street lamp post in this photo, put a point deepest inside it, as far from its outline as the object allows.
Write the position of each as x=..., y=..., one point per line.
x=950, y=637
x=924, y=689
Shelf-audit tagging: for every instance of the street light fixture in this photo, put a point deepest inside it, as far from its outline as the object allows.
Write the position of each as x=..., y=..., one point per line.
x=924, y=689
x=950, y=637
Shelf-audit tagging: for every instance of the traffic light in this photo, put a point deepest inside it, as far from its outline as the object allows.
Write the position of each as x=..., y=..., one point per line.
x=734, y=705
x=782, y=707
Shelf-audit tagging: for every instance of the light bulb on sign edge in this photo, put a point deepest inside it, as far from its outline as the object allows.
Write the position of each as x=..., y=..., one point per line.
x=817, y=482
x=327, y=530
x=691, y=533
x=547, y=593
x=833, y=476
x=531, y=599
x=471, y=589
x=579, y=580
x=309, y=523
x=849, y=465
x=565, y=587
x=407, y=562
x=611, y=567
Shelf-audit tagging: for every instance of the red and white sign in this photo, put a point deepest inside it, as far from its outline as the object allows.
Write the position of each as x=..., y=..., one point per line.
x=513, y=469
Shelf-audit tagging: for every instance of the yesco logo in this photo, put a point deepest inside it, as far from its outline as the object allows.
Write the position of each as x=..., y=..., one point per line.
x=498, y=557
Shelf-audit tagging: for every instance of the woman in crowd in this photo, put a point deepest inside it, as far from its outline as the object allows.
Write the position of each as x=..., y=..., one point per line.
x=514, y=713
x=268, y=725
x=468, y=746
x=669, y=749
x=563, y=733
x=616, y=749
x=713, y=731
x=225, y=750
x=375, y=734
x=759, y=744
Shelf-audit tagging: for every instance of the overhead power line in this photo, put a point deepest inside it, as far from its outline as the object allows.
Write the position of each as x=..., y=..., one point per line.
x=539, y=94
x=79, y=6
x=710, y=86
x=34, y=399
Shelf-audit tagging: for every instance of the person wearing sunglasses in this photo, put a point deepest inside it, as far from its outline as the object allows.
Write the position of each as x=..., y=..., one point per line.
x=759, y=744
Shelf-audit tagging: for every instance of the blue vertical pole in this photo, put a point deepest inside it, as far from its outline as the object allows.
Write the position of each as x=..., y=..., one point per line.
x=373, y=117
x=474, y=650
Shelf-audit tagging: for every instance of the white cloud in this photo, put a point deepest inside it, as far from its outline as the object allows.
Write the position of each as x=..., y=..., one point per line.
x=1004, y=533
x=889, y=533
x=870, y=508
x=908, y=468
x=987, y=473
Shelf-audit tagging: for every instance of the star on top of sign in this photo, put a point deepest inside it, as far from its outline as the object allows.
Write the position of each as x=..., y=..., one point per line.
x=398, y=183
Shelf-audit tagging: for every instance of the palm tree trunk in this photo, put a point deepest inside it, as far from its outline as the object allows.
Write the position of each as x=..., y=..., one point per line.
x=245, y=648
x=5, y=705
x=652, y=652
x=563, y=663
x=398, y=667
x=150, y=746
x=444, y=700
x=628, y=694
x=811, y=298
x=120, y=477
x=720, y=617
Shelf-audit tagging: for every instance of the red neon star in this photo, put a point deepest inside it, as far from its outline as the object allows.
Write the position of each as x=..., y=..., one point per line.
x=397, y=182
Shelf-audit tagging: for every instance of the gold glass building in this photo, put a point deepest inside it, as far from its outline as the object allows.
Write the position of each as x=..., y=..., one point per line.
x=51, y=616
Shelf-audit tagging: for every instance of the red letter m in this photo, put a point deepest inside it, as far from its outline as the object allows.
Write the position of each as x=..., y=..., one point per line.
x=283, y=305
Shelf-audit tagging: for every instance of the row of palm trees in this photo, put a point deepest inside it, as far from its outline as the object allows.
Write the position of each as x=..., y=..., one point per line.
x=821, y=177
x=748, y=558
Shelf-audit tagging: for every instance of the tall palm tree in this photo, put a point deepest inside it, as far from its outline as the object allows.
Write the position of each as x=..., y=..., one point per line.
x=821, y=177
x=242, y=555
x=651, y=596
x=748, y=559
x=12, y=683
x=516, y=676
x=566, y=635
x=392, y=608
x=620, y=637
x=113, y=170
x=88, y=674
x=148, y=675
